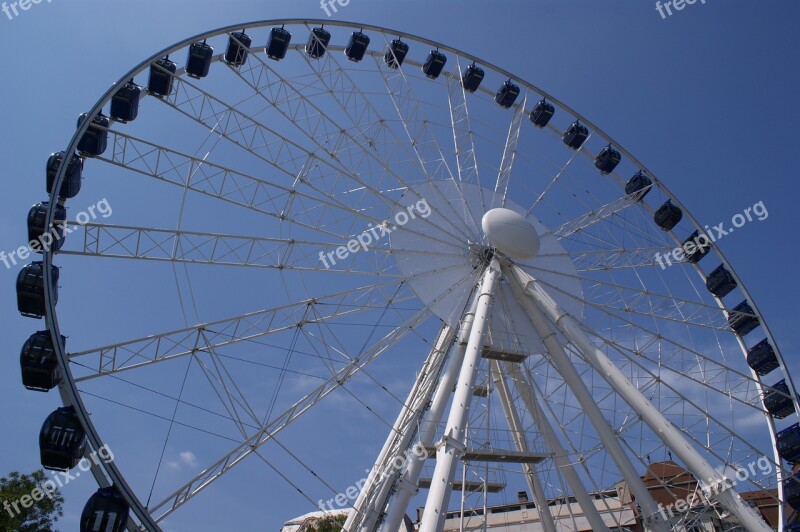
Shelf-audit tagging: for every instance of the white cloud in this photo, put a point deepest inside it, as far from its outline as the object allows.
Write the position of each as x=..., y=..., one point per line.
x=185, y=458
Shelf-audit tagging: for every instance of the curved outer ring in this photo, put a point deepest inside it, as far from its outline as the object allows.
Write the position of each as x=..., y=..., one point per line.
x=68, y=387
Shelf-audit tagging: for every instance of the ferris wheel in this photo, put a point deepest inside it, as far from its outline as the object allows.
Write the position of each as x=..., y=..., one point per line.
x=308, y=212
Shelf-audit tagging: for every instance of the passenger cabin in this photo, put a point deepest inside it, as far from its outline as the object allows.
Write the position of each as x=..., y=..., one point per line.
x=71, y=184
x=238, y=48
x=30, y=289
x=39, y=363
x=159, y=83
x=638, y=186
x=742, y=318
x=43, y=237
x=396, y=53
x=357, y=46
x=62, y=440
x=434, y=64
x=575, y=135
x=778, y=402
x=318, y=42
x=788, y=444
x=199, y=61
x=95, y=140
x=278, y=43
x=720, y=282
x=791, y=491
x=667, y=216
x=696, y=246
x=542, y=113
x=105, y=511
x=507, y=94
x=761, y=358
x=472, y=78
x=125, y=103
x=607, y=160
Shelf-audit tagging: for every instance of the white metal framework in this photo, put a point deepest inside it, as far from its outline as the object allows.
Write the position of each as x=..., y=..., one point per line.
x=300, y=234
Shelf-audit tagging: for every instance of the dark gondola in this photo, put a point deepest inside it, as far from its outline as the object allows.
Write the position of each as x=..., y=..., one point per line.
x=761, y=358
x=357, y=46
x=30, y=289
x=278, y=43
x=667, y=216
x=434, y=64
x=742, y=318
x=472, y=78
x=38, y=362
x=71, y=184
x=62, y=440
x=106, y=510
x=159, y=83
x=778, y=401
x=607, y=160
x=720, y=282
x=542, y=113
x=125, y=103
x=696, y=246
x=575, y=135
x=791, y=491
x=238, y=48
x=199, y=61
x=788, y=443
x=638, y=186
x=396, y=54
x=42, y=238
x=507, y=94
x=95, y=140
x=318, y=42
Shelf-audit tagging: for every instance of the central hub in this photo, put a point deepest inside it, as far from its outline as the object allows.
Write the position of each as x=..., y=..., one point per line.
x=510, y=233
x=441, y=256
x=480, y=256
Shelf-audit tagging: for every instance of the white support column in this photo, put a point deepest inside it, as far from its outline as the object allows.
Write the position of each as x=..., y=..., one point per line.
x=408, y=483
x=560, y=455
x=521, y=443
x=451, y=446
x=371, y=501
x=650, y=509
x=714, y=485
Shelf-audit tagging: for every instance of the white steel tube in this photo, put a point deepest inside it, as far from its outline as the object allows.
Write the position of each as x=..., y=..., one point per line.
x=650, y=509
x=367, y=508
x=408, y=484
x=712, y=482
x=521, y=443
x=560, y=455
x=451, y=446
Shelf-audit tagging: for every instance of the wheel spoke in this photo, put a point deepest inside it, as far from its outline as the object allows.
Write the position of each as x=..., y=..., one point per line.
x=265, y=433
x=247, y=327
x=510, y=152
x=421, y=137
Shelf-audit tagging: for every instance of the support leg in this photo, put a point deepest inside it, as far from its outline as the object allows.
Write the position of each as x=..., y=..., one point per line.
x=407, y=485
x=521, y=443
x=372, y=499
x=650, y=510
x=713, y=484
x=560, y=455
x=451, y=447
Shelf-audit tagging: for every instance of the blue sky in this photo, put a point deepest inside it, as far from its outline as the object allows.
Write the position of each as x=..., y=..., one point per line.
x=706, y=98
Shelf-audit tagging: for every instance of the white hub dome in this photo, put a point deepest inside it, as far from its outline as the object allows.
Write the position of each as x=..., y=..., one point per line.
x=510, y=233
